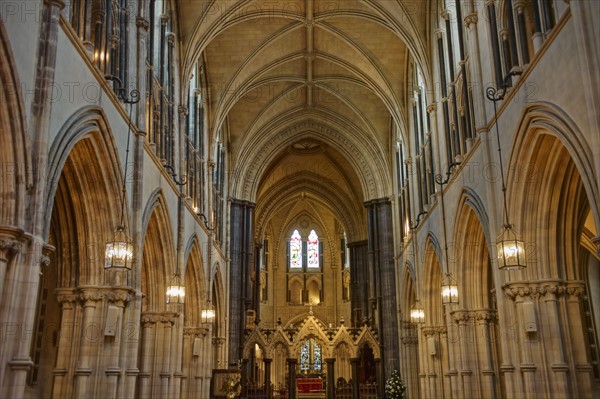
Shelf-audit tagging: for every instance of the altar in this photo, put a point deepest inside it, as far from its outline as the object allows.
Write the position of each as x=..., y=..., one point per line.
x=309, y=384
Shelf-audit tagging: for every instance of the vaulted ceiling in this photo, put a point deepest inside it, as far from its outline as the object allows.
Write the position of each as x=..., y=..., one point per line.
x=285, y=77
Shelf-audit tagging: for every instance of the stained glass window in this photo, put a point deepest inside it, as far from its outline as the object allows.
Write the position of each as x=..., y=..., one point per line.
x=305, y=356
x=313, y=250
x=296, y=251
x=316, y=356
x=310, y=356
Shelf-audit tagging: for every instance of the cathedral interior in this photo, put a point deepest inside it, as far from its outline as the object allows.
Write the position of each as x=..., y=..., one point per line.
x=295, y=198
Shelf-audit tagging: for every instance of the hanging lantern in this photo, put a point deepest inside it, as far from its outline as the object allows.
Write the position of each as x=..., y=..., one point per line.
x=119, y=251
x=176, y=291
x=449, y=290
x=208, y=314
x=511, y=250
x=417, y=315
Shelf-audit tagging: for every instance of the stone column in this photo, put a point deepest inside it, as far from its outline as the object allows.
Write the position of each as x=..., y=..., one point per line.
x=241, y=214
x=119, y=297
x=166, y=373
x=133, y=313
x=556, y=356
x=66, y=299
x=381, y=262
x=527, y=365
x=13, y=374
x=267, y=363
x=432, y=383
x=207, y=343
x=583, y=369
x=188, y=370
x=88, y=339
x=245, y=375
x=330, y=377
x=9, y=247
x=484, y=339
x=292, y=362
x=359, y=287
x=380, y=378
x=355, y=363
x=148, y=336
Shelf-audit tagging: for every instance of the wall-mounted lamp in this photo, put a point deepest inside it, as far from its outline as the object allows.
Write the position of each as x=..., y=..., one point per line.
x=510, y=249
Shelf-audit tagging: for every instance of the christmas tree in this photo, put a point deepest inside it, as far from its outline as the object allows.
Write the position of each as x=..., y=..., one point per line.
x=394, y=386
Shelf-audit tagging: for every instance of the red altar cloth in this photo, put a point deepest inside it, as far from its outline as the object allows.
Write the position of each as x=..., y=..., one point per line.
x=306, y=385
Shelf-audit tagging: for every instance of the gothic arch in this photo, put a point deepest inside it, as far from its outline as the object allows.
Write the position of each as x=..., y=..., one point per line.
x=217, y=295
x=409, y=348
x=254, y=339
x=85, y=204
x=545, y=118
x=367, y=339
x=364, y=155
x=85, y=197
x=552, y=189
x=158, y=261
x=195, y=285
x=14, y=140
x=431, y=296
x=88, y=123
x=471, y=259
x=312, y=185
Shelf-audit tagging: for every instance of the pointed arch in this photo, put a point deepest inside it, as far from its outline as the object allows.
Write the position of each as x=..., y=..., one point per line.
x=217, y=295
x=195, y=284
x=14, y=140
x=431, y=296
x=89, y=122
x=158, y=255
x=84, y=193
x=545, y=118
x=470, y=262
x=553, y=186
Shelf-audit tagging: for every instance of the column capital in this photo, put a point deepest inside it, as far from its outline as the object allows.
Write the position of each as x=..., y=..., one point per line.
x=471, y=19
x=90, y=295
x=11, y=240
x=142, y=23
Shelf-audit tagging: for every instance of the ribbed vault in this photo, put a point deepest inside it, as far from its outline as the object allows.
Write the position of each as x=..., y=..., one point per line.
x=281, y=72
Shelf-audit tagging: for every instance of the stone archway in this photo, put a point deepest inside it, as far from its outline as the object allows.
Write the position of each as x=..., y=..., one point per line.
x=76, y=293
x=160, y=323
x=552, y=196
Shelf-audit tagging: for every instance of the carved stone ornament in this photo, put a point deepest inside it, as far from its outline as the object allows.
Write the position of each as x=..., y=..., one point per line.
x=8, y=248
x=547, y=289
x=471, y=19
x=142, y=23
x=89, y=296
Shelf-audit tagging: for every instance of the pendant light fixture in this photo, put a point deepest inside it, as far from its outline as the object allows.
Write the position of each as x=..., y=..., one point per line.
x=119, y=251
x=510, y=249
